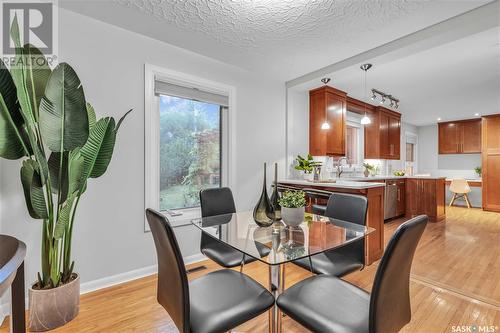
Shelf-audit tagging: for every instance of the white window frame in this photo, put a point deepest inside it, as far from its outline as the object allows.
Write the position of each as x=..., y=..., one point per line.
x=152, y=137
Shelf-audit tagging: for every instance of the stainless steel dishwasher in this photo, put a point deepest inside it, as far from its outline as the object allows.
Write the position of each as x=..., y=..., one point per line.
x=391, y=199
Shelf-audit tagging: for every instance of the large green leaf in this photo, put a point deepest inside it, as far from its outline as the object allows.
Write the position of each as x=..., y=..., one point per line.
x=64, y=217
x=63, y=113
x=75, y=172
x=91, y=116
x=18, y=70
x=33, y=190
x=37, y=75
x=54, y=171
x=98, y=150
x=11, y=140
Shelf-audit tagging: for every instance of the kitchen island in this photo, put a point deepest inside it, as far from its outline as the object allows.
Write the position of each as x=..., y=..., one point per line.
x=374, y=192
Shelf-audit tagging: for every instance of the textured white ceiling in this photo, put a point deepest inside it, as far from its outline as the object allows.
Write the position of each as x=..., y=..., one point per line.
x=280, y=38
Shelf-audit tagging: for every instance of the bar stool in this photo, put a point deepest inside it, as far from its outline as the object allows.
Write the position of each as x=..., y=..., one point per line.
x=460, y=188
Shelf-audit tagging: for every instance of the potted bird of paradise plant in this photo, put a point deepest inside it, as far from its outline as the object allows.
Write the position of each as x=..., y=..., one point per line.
x=46, y=121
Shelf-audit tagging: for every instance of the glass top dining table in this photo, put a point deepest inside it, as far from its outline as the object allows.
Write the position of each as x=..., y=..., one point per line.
x=278, y=244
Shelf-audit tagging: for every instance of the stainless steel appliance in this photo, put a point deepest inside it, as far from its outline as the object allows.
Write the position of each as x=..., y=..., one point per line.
x=391, y=199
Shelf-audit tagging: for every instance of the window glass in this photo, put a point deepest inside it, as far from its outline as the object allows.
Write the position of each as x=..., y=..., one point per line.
x=352, y=144
x=409, y=152
x=190, y=150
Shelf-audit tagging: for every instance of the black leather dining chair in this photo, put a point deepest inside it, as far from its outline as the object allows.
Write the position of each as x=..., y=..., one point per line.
x=339, y=262
x=219, y=201
x=325, y=303
x=213, y=303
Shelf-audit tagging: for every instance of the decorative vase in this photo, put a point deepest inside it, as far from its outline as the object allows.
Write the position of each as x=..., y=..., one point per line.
x=275, y=196
x=263, y=211
x=308, y=176
x=52, y=308
x=293, y=216
x=367, y=173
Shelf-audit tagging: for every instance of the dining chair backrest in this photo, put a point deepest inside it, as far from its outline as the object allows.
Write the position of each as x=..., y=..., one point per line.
x=173, y=290
x=351, y=208
x=459, y=186
x=390, y=298
x=217, y=201
x=348, y=207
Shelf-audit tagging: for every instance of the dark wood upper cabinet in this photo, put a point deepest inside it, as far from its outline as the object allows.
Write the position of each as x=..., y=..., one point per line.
x=471, y=136
x=330, y=104
x=383, y=135
x=460, y=137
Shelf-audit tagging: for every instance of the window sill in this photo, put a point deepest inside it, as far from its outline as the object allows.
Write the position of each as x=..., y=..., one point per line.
x=185, y=219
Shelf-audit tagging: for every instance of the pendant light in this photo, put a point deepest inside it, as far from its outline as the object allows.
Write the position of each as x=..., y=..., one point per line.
x=365, y=120
x=326, y=124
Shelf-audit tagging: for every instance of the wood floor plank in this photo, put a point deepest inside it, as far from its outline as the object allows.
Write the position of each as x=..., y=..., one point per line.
x=455, y=282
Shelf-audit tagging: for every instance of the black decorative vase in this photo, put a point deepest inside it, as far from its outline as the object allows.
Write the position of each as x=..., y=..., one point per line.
x=263, y=211
x=276, y=196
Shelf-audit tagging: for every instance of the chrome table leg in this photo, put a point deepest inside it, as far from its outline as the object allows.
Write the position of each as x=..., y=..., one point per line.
x=276, y=286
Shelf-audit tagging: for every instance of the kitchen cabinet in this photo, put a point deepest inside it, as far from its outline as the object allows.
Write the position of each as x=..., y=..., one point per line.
x=491, y=162
x=426, y=196
x=460, y=137
x=327, y=103
x=383, y=135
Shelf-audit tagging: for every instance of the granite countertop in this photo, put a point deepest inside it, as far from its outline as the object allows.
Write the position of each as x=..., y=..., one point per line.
x=337, y=184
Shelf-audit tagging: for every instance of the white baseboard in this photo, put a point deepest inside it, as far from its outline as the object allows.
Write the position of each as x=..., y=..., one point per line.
x=194, y=258
x=110, y=281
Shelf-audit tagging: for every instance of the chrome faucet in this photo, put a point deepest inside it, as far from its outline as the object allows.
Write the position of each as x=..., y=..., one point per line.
x=339, y=165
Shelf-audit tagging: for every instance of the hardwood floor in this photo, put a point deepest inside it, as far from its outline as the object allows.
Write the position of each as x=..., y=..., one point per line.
x=455, y=282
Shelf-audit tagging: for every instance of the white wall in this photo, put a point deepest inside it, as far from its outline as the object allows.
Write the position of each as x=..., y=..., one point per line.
x=108, y=236
x=297, y=127
x=451, y=166
x=459, y=165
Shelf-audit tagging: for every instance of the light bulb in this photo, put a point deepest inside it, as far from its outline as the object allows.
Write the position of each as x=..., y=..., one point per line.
x=382, y=101
x=365, y=120
x=374, y=97
x=325, y=126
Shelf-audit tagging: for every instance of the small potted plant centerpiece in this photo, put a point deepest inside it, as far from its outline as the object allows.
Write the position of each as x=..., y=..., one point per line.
x=369, y=169
x=293, y=205
x=307, y=166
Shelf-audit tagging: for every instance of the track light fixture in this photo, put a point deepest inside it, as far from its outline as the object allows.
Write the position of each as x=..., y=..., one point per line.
x=394, y=102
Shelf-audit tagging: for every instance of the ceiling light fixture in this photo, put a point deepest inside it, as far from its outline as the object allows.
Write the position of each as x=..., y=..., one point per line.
x=366, y=120
x=383, y=97
x=326, y=124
